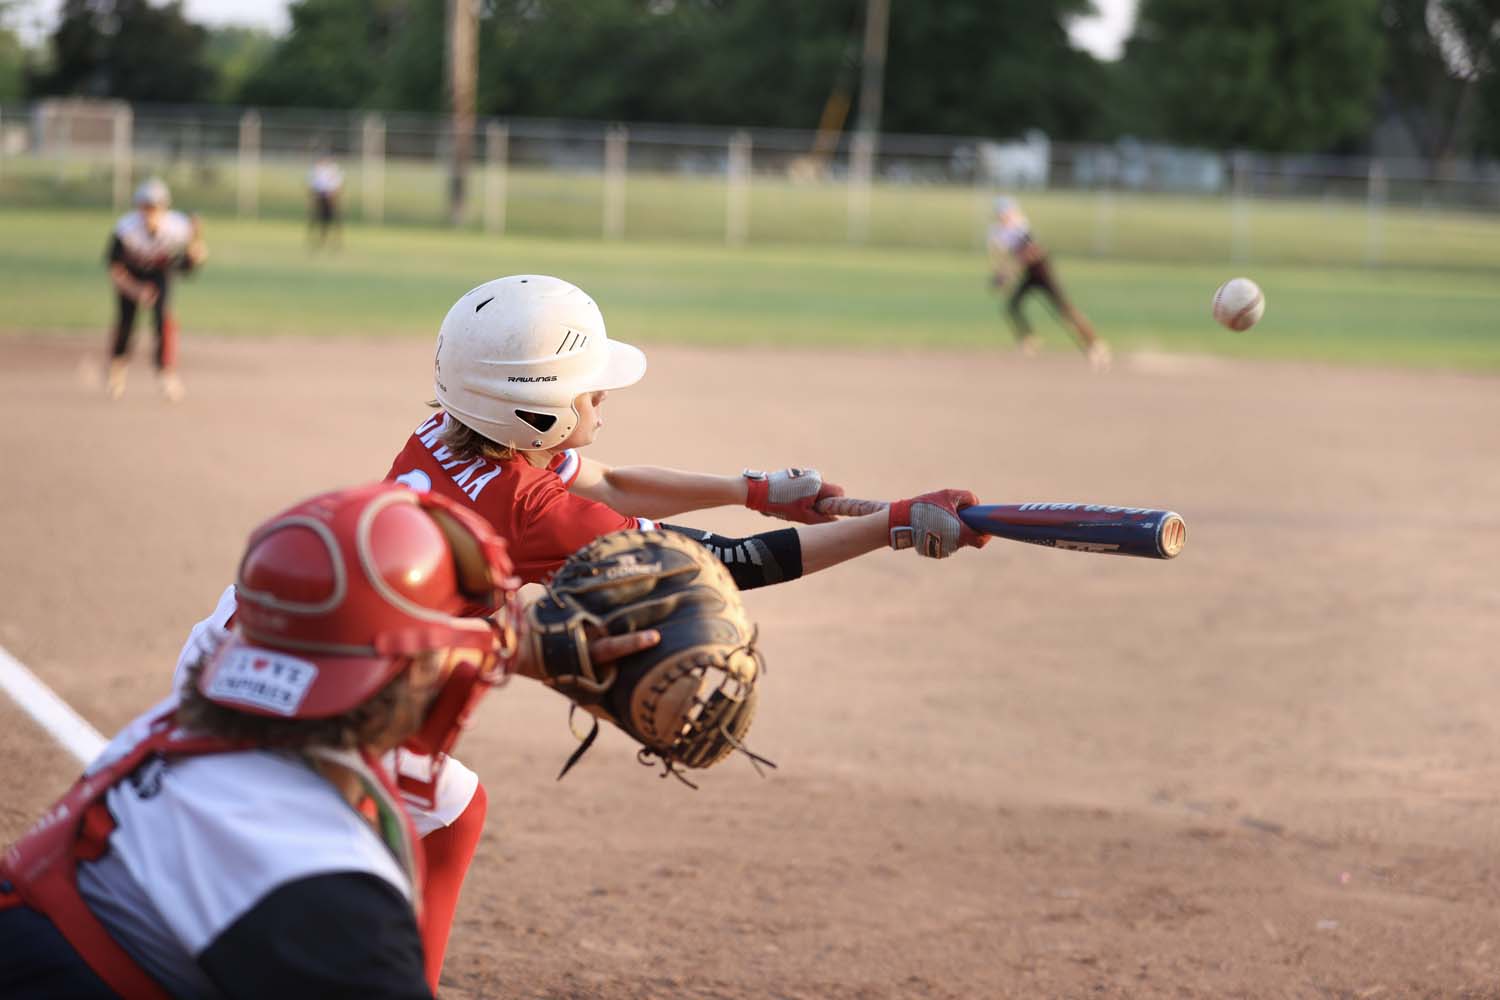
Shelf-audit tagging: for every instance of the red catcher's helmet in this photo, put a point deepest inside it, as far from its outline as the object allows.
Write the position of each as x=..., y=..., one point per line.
x=338, y=593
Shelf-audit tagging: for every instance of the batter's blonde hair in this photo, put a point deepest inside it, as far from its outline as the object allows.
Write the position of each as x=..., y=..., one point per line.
x=466, y=443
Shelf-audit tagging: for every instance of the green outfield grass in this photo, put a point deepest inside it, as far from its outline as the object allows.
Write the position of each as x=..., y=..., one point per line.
x=399, y=281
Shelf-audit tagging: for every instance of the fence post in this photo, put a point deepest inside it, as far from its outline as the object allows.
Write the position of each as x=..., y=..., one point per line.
x=737, y=211
x=615, y=146
x=1239, y=208
x=249, y=175
x=496, y=157
x=861, y=171
x=372, y=168
x=120, y=156
x=1104, y=220
x=1375, y=199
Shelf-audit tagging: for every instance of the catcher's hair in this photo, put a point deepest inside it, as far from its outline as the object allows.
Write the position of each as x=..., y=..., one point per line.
x=393, y=705
x=466, y=443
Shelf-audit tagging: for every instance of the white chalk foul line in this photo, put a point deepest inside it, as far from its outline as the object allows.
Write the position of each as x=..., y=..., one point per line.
x=50, y=712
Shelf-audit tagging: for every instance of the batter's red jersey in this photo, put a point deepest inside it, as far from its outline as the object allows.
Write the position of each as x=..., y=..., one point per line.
x=529, y=507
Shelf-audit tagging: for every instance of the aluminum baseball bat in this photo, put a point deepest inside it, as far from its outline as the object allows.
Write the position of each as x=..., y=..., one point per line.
x=1081, y=527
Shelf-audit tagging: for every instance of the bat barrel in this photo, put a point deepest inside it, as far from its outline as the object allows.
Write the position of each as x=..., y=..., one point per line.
x=1125, y=531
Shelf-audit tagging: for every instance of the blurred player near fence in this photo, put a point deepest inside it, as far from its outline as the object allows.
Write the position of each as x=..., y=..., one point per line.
x=1012, y=246
x=325, y=185
x=147, y=244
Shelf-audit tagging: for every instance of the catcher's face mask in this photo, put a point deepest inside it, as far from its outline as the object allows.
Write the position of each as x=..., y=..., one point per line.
x=338, y=595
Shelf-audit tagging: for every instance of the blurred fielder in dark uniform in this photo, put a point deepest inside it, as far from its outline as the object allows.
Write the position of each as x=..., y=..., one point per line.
x=325, y=181
x=1010, y=240
x=146, y=246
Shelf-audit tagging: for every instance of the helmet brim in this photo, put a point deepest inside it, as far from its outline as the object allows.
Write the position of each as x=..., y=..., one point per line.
x=625, y=366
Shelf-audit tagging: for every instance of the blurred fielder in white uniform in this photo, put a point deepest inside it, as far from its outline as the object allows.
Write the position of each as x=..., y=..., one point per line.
x=1012, y=247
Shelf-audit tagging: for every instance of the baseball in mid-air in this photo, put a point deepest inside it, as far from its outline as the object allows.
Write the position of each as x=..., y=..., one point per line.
x=1239, y=304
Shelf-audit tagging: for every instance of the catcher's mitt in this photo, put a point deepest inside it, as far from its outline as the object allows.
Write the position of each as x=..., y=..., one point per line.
x=688, y=700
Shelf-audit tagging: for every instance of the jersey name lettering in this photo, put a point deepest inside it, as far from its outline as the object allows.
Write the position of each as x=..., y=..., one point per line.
x=430, y=434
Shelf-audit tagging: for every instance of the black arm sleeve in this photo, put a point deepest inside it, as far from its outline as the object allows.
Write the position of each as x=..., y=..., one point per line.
x=345, y=935
x=116, y=252
x=755, y=560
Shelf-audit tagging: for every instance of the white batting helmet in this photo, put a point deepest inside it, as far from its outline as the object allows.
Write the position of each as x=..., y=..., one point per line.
x=514, y=353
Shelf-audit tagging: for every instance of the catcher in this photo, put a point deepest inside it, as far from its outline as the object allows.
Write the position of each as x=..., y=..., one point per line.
x=146, y=246
x=244, y=838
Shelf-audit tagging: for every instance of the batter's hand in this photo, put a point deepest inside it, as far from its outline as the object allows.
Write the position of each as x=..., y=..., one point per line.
x=790, y=494
x=146, y=295
x=930, y=524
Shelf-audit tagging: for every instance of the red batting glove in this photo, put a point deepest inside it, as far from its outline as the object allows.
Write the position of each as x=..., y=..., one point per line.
x=931, y=525
x=790, y=494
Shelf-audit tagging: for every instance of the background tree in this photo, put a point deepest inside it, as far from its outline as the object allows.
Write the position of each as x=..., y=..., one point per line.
x=13, y=55
x=1467, y=32
x=328, y=59
x=1260, y=74
x=128, y=49
x=990, y=68
x=754, y=62
x=233, y=53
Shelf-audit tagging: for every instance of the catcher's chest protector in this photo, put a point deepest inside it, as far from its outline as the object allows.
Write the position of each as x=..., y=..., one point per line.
x=167, y=809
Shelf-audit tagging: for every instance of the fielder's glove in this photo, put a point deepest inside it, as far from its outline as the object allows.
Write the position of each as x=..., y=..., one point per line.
x=931, y=525
x=689, y=699
x=790, y=494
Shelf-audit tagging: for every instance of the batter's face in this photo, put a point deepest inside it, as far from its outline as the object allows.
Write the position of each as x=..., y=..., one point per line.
x=590, y=420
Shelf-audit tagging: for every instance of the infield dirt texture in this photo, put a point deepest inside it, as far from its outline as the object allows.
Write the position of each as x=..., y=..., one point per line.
x=1269, y=768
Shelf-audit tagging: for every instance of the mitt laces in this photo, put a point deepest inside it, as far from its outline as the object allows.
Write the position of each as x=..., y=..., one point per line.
x=670, y=766
x=670, y=760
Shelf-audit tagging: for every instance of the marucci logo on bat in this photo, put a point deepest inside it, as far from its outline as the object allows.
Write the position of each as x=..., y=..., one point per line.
x=1088, y=508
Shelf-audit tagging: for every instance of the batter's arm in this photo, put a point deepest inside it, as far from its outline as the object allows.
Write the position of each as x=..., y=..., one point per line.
x=826, y=545
x=653, y=492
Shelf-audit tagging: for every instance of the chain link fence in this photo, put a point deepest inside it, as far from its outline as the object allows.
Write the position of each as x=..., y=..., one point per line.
x=577, y=179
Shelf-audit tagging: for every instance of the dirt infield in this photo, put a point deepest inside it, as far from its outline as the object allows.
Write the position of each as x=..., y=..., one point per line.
x=1269, y=768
